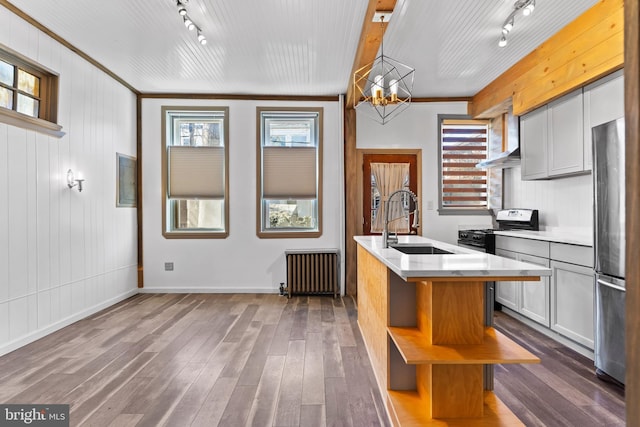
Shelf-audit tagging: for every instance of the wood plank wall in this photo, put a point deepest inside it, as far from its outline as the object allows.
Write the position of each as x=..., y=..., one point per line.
x=632, y=114
x=588, y=48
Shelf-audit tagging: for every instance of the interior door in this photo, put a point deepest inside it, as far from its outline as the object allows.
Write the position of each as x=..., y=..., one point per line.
x=371, y=195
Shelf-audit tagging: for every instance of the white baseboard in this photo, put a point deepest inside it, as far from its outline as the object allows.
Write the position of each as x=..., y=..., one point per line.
x=40, y=333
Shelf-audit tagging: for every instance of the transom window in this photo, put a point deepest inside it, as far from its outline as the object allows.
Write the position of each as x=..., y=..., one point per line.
x=195, y=173
x=289, y=172
x=463, y=187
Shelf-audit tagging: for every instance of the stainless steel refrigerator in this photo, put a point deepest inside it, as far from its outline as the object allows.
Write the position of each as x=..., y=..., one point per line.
x=609, y=247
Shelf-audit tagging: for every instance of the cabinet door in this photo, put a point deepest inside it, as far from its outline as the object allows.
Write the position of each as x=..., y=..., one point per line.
x=603, y=102
x=572, y=302
x=507, y=293
x=534, y=296
x=565, y=146
x=533, y=144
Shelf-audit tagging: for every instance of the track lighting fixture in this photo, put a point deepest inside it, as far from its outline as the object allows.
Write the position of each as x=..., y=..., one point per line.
x=188, y=23
x=526, y=6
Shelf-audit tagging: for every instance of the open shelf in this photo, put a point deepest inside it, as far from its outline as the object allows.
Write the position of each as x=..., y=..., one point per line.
x=496, y=348
x=409, y=410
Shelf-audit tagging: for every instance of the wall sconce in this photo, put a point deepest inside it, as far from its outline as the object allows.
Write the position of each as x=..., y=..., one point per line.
x=72, y=181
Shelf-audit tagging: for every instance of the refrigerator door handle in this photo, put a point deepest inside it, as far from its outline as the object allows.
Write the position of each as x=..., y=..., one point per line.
x=611, y=285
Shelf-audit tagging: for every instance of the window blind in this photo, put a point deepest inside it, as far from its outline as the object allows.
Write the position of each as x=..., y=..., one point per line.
x=464, y=143
x=289, y=172
x=196, y=172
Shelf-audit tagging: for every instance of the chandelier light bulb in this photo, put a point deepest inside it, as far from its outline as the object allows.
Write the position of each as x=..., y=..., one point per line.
x=182, y=11
x=503, y=41
x=203, y=41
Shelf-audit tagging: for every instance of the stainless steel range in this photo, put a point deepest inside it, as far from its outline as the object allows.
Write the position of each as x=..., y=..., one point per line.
x=509, y=219
x=484, y=240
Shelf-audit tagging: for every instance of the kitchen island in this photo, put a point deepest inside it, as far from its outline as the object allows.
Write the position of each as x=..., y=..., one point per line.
x=422, y=320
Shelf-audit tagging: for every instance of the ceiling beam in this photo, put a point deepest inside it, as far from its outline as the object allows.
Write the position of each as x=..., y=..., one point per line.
x=369, y=44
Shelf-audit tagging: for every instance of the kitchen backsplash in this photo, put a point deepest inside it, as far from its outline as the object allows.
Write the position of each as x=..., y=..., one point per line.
x=565, y=203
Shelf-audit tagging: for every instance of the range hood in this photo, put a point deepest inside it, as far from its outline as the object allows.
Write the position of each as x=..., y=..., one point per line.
x=504, y=133
x=508, y=159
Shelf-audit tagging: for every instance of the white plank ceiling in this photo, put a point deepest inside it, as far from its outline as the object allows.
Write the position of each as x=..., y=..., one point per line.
x=296, y=47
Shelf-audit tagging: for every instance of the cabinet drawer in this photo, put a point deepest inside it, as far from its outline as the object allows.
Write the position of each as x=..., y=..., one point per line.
x=574, y=254
x=538, y=248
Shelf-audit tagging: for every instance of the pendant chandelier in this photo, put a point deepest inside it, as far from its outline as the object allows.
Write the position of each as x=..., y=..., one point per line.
x=383, y=87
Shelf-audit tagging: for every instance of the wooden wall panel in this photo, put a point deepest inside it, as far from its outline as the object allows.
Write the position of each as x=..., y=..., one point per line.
x=632, y=115
x=588, y=48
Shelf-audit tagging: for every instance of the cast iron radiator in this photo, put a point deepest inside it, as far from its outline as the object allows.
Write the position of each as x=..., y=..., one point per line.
x=313, y=272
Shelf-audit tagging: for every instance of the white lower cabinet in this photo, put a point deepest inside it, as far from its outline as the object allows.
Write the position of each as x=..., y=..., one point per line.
x=564, y=302
x=534, y=296
x=508, y=293
x=573, y=302
x=531, y=299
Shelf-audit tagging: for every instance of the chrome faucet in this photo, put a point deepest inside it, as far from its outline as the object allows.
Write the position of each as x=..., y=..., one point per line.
x=416, y=213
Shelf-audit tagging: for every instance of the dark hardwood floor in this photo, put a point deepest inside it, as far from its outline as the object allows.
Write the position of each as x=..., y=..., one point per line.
x=261, y=360
x=560, y=391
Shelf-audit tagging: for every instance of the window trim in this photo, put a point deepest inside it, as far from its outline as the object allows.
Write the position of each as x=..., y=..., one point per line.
x=286, y=234
x=48, y=112
x=456, y=211
x=175, y=234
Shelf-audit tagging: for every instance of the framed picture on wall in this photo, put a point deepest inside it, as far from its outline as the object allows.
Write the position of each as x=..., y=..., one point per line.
x=126, y=181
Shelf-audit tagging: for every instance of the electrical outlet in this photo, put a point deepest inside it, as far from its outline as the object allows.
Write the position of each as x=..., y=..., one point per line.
x=168, y=266
x=429, y=205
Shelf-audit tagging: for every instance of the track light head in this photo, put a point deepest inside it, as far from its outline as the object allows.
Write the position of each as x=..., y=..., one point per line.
x=507, y=26
x=529, y=8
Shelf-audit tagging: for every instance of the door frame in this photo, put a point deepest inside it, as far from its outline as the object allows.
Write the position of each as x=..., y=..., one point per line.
x=360, y=179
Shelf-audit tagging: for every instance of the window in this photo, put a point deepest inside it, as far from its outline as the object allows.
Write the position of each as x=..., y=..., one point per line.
x=463, y=187
x=289, y=172
x=28, y=94
x=195, y=173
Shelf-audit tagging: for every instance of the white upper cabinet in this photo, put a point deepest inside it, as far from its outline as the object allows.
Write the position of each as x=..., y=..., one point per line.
x=555, y=139
x=603, y=102
x=565, y=143
x=533, y=144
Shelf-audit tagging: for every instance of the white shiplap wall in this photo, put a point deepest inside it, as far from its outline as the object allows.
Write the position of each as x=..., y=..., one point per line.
x=63, y=254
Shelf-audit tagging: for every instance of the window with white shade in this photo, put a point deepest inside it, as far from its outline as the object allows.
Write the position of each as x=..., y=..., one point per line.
x=195, y=172
x=289, y=172
x=463, y=187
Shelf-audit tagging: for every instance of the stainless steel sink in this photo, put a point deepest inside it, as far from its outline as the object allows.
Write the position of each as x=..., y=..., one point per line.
x=413, y=249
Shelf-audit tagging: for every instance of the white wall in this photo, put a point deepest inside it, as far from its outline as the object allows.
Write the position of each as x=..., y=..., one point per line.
x=565, y=203
x=417, y=127
x=242, y=262
x=63, y=254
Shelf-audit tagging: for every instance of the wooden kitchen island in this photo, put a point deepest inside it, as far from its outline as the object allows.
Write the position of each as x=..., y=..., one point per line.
x=422, y=320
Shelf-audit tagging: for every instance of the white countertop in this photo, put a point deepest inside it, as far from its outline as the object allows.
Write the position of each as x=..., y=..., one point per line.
x=461, y=263
x=559, y=236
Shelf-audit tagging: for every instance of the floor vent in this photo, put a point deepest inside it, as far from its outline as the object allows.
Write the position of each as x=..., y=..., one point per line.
x=313, y=272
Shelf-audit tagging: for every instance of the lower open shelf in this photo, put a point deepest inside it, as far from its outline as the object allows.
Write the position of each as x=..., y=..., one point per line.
x=495, y=349
x=407, y=409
